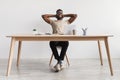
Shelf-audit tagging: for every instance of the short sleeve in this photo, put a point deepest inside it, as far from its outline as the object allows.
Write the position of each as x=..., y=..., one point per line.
x=67, y=22
x=51, y=21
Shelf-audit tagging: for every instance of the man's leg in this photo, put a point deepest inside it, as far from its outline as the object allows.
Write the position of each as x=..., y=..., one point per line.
x=64, y=45
x=53, y=45
x=54, y=49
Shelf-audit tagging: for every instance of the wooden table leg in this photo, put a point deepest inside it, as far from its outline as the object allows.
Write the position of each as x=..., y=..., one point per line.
x=10, y=56
x=19, y=53
x=100, y=53
x=108, y=55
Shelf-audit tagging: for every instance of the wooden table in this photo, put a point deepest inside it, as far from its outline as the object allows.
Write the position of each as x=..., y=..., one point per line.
x=31, y=37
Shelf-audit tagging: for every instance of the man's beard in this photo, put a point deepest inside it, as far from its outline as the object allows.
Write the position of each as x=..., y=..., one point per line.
x=59, y=17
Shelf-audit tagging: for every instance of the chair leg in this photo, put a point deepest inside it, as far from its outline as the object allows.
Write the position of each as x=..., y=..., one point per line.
x=67, y=60
x=51, y=60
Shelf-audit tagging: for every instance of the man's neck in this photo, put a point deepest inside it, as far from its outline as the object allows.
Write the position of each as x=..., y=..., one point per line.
x=59, y=19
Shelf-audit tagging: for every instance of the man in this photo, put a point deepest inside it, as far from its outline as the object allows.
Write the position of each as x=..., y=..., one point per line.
x=58, y=29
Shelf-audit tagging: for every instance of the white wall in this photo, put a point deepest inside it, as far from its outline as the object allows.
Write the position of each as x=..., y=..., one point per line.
x=21, y=16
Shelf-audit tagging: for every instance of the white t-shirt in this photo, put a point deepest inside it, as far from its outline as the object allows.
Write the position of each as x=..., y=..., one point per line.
x=58, y=26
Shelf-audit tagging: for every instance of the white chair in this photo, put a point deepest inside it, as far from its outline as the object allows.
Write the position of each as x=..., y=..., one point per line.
x=52, y=58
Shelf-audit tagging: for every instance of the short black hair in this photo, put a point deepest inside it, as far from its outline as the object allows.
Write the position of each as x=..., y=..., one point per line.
x=59, y=10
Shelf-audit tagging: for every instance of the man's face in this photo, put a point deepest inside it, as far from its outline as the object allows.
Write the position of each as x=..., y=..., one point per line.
x=59, y=15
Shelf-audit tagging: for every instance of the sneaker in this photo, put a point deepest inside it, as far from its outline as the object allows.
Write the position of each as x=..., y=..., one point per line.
x=57, y=67
x=61, y=65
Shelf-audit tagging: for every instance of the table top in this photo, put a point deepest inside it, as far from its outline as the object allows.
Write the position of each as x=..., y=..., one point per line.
x=54, y=35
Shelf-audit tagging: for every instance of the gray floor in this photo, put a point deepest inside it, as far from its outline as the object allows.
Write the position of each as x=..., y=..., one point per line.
x=80, y=69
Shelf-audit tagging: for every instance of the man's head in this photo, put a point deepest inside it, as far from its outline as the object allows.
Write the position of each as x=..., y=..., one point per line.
x=59, y=14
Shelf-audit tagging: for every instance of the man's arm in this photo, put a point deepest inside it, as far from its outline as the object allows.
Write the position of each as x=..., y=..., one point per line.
x=72, y=17
x=46, y=17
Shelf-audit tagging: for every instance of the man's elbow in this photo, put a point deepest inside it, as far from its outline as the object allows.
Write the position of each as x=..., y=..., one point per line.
x=42, y=16
x=75, y=15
